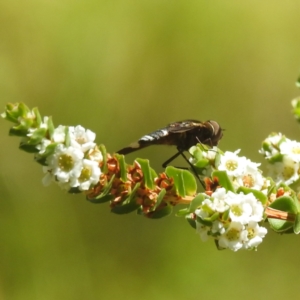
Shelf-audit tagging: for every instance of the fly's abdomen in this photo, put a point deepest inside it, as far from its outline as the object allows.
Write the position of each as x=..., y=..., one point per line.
x=155, y=138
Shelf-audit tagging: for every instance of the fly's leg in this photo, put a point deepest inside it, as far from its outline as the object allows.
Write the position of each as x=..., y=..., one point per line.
x=180, y=152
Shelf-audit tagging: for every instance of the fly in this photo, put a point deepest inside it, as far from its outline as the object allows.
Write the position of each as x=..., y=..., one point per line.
x=183, y=135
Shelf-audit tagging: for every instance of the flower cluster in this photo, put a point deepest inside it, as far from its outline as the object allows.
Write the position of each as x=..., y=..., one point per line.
x=69, y=155
x=74, y=163
x=230, y=211
x=283, y=156
x=242, y=171
x=231, y=219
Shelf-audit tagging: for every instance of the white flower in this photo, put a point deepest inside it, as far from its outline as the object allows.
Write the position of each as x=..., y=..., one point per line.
x=231, y=219
x=273, y=142
x=44, y=124
x=81, y=138
x=232, y=163
x=43, y=145
x=59, y=134
x=95, y=155
x=205, y=231
x=205, y=209
x=244, y=208
x=217, y=227
x=286, y=171
x=219, y=203
x=251, y=177
x=291, y=149
x=255, y=235
x=233, y=237
x=64, y=165
x=202, y=230
x=89, y=174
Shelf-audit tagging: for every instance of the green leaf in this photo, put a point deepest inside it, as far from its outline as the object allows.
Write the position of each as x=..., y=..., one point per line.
x=280, y=225
x=298, y=82
x=68, y=137
x=204, y=222
x=285, y=204
x=191, y=221
x=297, y=224
x=195, y=203
x=105, y=196
x=272, y=187
x=224, y=180
x=218, y=157
x=257, y=194
x=184, y=181
x=103, y=199
x=212, y=218
x=51, y=127
x=161, y=212
x=129, y=205
x=196, y=152
x=42, y=158
x=296, y=108
x=18, y=131
x=37, y=136
x=25, y=146
x=159, y=198
x=123, y=167
x=225, y=215
x=38, y=118
x=50, y=149
x=13, y=112
x=275, y=158
x=202, y=163
x=149, y=173
x=125, y=209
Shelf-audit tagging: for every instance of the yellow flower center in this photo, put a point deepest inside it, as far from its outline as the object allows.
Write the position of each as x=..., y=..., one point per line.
x=288, y=172
x=251, y=233
x=85, y=175
x=65, y=162
x=296, y=150
x=233, y=234
x=231, y=165
x=236, y=210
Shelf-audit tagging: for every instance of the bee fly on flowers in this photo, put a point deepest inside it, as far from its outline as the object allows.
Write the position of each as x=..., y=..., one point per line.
x=183, y=135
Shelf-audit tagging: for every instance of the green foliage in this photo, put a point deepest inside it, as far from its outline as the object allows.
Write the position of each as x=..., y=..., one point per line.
x=296, y=105
x=224, y=180
x=164, y=211
x=123, y=167
x=129, y=205
x=195, y=203
x=285, y=204
x=105, y=195
x=159, y=198
x=149, y=173
x=258, y=194
x=184, y=181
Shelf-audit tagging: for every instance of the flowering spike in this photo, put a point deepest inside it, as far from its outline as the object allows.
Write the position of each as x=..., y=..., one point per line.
x=232, y=210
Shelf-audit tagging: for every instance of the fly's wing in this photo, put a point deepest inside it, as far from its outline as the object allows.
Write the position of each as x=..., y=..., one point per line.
x=180, y=134
x=183, y=126
x=153, y=138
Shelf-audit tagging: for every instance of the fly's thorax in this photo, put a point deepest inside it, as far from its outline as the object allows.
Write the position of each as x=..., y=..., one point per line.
x=213, y=133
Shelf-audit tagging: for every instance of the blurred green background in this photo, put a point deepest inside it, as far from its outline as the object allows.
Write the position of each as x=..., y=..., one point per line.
x=123, y=69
